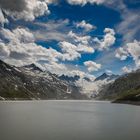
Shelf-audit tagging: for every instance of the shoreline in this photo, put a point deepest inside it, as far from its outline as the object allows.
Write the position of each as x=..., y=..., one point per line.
x=71, y=100
x=127, y=102
x=75, y=100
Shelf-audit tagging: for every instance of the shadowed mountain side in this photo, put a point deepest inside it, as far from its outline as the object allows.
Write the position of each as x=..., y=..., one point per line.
x=124, y=88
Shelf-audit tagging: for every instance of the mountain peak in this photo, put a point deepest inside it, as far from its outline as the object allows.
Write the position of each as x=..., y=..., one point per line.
x=33, y=67
x=69, y=78
x=108, y=76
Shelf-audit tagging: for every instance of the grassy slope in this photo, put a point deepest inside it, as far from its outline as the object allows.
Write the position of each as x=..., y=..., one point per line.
x=131, y=96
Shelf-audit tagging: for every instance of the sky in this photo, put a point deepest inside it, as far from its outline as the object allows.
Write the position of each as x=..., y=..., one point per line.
x=72, y=37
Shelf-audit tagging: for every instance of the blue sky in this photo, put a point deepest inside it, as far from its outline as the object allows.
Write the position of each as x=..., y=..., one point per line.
x=114, y=23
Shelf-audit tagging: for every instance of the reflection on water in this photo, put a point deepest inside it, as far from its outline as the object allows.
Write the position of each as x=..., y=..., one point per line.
x=68, y=120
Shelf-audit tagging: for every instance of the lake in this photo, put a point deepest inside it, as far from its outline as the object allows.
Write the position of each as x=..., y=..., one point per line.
x=68, y=120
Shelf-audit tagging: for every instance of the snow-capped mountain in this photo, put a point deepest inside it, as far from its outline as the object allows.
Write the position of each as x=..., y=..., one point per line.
x=30, y=82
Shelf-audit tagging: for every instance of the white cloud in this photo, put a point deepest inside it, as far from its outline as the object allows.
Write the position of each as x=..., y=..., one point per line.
x=20, y=35
x=107, y=41
x=84, y=48
x=131, y=49
x=79, y=39
x=52, y=1
x=92, y=66
x=125, y=69
x=4, y=51
x=122, y=54
x=25, y=9
x=20, y=48
x=24, y=35
x=86, y=26
x=80, y=73
x=84, y=2
x=72, y=51
x=134, y=50
x=82, y=43
x=109, y=72
x=67, y=47
x=54, y=67
x=23, y=54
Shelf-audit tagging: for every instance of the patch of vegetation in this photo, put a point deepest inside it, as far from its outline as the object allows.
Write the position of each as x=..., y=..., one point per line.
x=129, y=95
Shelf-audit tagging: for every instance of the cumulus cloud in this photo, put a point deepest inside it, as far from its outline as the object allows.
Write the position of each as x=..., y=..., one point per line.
x=92, y=66
x=55, y=67
x=81, y=74
x=79, y=39
x=72, y=51
x=84, y=48
x=134, y=50
x=19, y=45
x=108, y=39
x=18, y=48
x=24, y=9
x=122, y=54
x=69, y=50
x=82, y=43
x=131, y=49
x=86, y=26
x=4, y=51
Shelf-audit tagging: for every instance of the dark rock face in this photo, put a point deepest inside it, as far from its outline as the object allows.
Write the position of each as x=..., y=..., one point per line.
x=30, y=82
x=68, y=78
x=107, y=76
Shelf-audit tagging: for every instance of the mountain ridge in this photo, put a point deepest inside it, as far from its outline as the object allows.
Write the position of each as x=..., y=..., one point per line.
x=126, y=88
x=30, y=82
x=107, y=76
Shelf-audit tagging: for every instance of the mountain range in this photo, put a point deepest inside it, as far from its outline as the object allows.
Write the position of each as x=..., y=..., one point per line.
x=30, y=82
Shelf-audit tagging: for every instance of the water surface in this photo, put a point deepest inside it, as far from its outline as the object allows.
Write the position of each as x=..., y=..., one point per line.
x=68, y=120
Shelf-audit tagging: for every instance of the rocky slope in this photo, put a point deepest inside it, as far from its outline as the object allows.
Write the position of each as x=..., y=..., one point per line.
x=30, y=82
x=125, y=88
